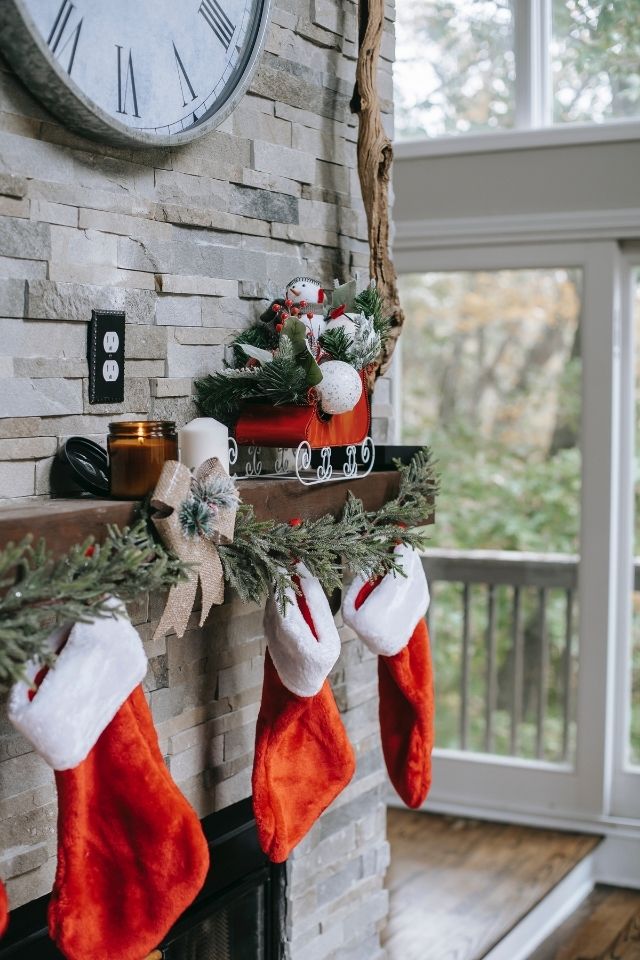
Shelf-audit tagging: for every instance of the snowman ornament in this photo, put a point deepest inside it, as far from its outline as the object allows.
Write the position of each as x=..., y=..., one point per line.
x=306, y=294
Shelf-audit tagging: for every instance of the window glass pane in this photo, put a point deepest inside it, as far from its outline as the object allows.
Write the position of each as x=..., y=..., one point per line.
x=595, y=54
x=635, y=653
x=454, y=69
x=491, y=372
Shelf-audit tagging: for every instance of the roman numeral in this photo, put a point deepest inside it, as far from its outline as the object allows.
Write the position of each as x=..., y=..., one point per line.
x=126, y=84
x=61, y=38
x=182, y=75
x=218, y=21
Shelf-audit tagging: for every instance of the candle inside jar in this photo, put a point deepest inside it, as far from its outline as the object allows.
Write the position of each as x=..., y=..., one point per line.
x=138, y=450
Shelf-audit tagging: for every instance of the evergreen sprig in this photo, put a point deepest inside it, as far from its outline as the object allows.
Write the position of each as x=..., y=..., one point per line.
x=336, y=342
x=257, y=335
x=358, y=350
x=283, y=380
x=371, y=304
x=39, y=592
x=198, y=512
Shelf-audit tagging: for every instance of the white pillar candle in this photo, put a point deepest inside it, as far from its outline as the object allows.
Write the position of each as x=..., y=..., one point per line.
x=202, y=439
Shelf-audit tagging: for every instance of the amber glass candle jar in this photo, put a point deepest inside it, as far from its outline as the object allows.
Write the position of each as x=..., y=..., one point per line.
x=137, y=451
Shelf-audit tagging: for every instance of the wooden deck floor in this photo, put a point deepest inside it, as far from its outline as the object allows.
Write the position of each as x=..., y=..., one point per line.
x=605, y=927
x=458, y=887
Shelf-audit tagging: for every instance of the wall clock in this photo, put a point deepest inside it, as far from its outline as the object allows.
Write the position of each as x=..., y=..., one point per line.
x=135, y=72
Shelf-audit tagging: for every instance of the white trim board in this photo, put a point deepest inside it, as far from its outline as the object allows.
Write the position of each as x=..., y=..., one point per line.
x=617, y=224
x=602, y=826
x=490, y=141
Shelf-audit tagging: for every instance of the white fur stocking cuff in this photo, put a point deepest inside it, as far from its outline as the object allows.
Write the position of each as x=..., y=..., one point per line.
x=100, y=665
x=391, y=612
x=303, y=662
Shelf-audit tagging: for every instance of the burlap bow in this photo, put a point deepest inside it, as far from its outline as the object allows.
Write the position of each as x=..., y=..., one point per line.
x=172, y=489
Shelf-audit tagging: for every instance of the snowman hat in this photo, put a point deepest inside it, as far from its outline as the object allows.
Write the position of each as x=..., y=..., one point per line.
x=310, y=280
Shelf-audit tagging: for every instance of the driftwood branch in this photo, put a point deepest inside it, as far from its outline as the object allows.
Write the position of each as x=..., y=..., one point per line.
x=375, y=155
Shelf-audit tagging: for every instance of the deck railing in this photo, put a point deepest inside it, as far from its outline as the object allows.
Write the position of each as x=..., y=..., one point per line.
x=503, y=629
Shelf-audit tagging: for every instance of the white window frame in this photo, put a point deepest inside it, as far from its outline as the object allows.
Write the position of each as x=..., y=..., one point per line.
x=533, y=120
x=586, y=792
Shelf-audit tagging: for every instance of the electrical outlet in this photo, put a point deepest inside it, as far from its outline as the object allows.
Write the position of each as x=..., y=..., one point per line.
x=110, y=370
x=111, y=341
x=105, y=352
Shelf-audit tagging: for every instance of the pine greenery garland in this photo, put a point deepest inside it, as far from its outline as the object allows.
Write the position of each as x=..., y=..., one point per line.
x=39, y=592
x=264, y=553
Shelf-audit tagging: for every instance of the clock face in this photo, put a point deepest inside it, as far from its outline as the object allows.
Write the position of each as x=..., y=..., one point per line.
x=135, y=71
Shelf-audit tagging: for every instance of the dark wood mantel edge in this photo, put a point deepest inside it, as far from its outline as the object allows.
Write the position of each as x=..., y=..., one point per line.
x=64, y=523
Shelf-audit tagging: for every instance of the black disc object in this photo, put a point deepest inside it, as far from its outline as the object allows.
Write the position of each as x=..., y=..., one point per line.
x=81, y=464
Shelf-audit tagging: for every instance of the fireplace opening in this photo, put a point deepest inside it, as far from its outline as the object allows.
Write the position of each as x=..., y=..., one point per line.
x=238, y=914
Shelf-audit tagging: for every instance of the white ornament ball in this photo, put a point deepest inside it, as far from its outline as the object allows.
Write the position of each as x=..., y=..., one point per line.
x=304, y=288
x=340, y=387
x=345, y=322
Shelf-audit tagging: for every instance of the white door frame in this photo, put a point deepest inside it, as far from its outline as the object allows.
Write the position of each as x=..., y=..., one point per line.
x=533, y=788
x=624, y=800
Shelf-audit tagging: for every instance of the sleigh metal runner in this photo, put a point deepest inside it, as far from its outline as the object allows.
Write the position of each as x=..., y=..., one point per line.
x=309, y=466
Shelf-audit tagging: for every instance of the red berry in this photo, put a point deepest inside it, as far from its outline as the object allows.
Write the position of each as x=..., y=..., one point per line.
x=310, y=315
x=279, y=327
x=275, y=307
x=294, y=311
x=302, y=304
x=89, y=552
x=288, y=303
x=284, y=315
x=295, y=522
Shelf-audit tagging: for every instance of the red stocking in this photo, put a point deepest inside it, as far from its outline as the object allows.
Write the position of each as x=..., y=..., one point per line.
x=131, y=852
x=303, y=758
x=388, y=615
x=4, y=911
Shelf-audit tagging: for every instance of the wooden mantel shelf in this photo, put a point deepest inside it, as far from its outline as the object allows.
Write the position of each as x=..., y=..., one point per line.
x=64, y=523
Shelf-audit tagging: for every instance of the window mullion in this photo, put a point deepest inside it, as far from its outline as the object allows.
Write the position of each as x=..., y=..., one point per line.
x=544, y=84
x=532, y=29
x=524, y=63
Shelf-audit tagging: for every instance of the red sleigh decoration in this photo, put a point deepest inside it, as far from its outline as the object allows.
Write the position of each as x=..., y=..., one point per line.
x=289, y=425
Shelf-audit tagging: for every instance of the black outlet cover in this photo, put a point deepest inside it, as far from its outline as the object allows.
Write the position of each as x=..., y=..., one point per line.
x=105, y=353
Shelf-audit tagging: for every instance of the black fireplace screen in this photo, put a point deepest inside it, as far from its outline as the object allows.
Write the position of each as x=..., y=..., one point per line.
x=235, y=931
x=237, y=916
